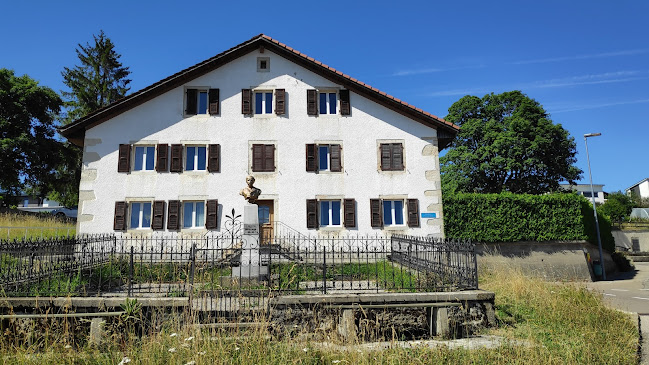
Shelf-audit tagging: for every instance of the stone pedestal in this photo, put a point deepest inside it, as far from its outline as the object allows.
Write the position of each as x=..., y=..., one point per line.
x=250, y=266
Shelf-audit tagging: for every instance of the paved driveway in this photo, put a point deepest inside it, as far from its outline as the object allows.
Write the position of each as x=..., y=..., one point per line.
x=627, y=291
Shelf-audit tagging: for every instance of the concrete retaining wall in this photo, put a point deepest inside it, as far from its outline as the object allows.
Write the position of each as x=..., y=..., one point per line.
x=632, y=240
x=554, y=260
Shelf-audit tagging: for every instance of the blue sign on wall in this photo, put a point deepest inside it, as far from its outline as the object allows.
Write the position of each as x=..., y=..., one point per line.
x=429, y=215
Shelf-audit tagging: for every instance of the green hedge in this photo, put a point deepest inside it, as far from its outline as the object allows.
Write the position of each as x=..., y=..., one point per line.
x=508, y=217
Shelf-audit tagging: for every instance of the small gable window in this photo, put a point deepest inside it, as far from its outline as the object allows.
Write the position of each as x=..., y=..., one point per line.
x=263, y=64
x=202, y=101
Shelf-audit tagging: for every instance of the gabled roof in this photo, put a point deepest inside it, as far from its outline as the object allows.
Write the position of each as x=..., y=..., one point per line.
x=636, y=184
x=75, y=131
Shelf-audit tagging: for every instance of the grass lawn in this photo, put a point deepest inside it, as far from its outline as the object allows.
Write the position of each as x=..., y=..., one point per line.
x=20, y=226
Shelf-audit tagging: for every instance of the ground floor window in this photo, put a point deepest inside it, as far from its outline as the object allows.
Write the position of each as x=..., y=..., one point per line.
x=330, y=213
x=194, y=214
x=393, y=212
x=140, y=215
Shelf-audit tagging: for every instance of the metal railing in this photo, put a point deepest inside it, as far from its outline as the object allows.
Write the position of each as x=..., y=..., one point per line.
x=210, y=268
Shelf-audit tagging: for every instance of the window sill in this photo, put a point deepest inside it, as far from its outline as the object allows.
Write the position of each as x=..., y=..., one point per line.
x=331, y=228
x=395, y=228
x=265, y=116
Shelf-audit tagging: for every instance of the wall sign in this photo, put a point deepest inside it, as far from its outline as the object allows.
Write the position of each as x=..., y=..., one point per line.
x=429, y=215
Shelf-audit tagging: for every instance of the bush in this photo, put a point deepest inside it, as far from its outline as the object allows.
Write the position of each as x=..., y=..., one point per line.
x=508, y=217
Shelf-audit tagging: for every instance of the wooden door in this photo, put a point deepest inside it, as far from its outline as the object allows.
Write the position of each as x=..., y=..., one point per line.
x=266, y=215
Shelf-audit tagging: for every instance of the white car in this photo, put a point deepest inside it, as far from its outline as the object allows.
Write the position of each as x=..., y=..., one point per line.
x=65, y=212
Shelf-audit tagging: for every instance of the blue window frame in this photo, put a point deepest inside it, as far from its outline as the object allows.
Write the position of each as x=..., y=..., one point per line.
x=194, y=214
x=393, y=212
x=330, y=213
x=263, y=102
x=140, y=215
x=144, y=158
x=202, y=102
x=328, y=103
x=196, y=158
x=264, y=214
x=323, y=157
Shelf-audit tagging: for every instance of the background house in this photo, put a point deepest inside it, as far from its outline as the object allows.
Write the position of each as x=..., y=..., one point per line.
x=640, y=189
x=330, y=153
x=584, y=189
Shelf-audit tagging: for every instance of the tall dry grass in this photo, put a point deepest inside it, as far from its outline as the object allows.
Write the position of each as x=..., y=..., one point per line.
x=21, y=226
x=541, y=323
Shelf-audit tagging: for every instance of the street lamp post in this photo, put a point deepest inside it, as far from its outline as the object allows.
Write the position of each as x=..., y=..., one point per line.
x=592, y=197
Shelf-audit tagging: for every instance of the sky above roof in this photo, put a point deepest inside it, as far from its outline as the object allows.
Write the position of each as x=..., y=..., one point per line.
x=586, y=62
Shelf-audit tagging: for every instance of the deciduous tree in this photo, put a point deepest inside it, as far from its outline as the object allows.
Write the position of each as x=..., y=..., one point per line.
x=507, y=142
x=29, y=151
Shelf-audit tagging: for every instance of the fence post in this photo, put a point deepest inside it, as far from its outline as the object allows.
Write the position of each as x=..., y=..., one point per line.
x=324, y=267
x=130, y=273
x=192, y=267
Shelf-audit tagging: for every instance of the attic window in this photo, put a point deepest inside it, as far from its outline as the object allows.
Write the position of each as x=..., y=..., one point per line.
x=263, y=64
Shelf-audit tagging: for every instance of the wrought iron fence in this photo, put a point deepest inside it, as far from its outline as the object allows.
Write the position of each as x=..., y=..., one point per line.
x=211, y=269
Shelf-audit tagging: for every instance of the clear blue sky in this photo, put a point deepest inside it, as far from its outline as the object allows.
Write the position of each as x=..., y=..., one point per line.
x=586, y=62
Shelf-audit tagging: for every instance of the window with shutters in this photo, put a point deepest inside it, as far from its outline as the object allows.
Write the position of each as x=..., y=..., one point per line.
x=324, y=157
x=195, y=158
x=331, y=212
x=328, y=102
x=202, y=100
x=391, y=156
x=140, y=215
x=263, y=158
x=144, y=158
x=393, y=211
x=193, y=214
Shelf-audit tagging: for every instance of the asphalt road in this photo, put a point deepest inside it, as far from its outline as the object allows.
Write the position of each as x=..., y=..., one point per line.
x=627, y=291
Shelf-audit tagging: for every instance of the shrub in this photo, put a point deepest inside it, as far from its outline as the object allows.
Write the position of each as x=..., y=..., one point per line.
x=508, y=217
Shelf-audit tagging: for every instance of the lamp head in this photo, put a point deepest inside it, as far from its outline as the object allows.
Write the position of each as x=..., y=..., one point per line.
x=592, y=135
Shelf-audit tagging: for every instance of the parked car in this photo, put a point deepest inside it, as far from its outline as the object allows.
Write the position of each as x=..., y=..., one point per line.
x=65, y=212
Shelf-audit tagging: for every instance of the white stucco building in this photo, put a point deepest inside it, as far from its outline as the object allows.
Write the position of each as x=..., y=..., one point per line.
x=330, y=153
x=640, y=189
x=584, y=189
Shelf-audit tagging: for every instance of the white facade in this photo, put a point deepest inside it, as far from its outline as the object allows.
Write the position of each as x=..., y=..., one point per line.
x=640, y=189
x=584, y=189
x=163, y=120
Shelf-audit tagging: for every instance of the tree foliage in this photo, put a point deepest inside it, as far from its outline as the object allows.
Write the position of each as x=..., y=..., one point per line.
x=97, y=81
x=506, y=143
x=618, y=207
x=29, y=151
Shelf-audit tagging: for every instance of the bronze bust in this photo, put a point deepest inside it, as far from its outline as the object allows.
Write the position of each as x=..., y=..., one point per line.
x=250, y=193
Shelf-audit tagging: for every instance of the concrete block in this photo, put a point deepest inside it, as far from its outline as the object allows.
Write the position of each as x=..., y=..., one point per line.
x=347, y=325
x=490, y=313
x=441, y=322
x=97, y=332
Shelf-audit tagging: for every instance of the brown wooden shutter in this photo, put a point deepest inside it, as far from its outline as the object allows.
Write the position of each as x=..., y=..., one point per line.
x=311, y=213
x=158, y=215
x=173, y=215
x=176, y=158
x=214, y=157
x=413, y=213
x=280, y=101
x=190, y=105
x=345, y=108
x=257, y=157
x=311, y=158
x=121, y=208
x=386, y=157
x=124, y=160
x=350, y=212
x=211, y=221
x=312, y=102
x=335, y=158
x=246, y=101
x=376, y=212
x=397, y=157
x=214, y=101
x=162, y=153
x=269, y=157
